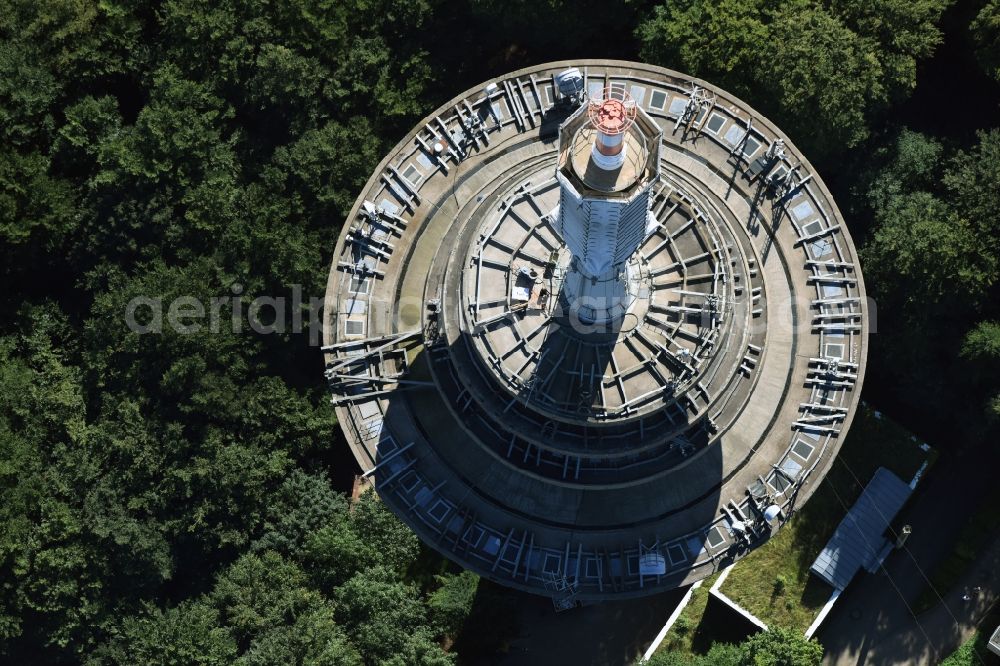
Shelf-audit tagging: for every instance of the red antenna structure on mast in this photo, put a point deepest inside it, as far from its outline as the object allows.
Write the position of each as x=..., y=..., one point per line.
x=611, y=116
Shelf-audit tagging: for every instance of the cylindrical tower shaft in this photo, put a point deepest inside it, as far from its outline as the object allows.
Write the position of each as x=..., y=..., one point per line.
x=604, y=201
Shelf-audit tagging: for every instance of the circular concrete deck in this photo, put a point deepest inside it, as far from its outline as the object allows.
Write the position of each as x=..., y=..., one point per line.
x=593, y=463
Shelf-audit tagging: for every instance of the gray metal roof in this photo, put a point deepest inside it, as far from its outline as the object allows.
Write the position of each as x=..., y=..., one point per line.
x=994, y=644
x=859, y=538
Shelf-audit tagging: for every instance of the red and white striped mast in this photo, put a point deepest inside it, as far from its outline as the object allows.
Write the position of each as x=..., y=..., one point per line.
x=611, y=117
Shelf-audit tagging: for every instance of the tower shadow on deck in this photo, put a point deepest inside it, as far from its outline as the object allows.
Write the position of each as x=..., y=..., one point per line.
x=502, y=505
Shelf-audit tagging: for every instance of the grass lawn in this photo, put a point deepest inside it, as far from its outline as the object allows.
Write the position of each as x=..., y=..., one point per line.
x=980, y=529
x=688, y=634
x=774, y=582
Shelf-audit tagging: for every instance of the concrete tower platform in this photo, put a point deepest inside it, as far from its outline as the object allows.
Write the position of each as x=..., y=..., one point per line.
x=601, y=461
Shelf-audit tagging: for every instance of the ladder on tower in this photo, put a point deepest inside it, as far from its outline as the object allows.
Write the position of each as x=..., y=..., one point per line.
x=562, y=590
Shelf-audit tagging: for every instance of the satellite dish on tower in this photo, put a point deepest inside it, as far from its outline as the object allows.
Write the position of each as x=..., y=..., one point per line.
x=570, y=83
x=772, y=512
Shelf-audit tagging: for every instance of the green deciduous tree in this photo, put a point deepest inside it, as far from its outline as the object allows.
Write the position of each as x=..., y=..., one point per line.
x=82, y=43
x=37, y=210
x=986, y=34
x=335, y=552
x=50, y=569
x=914, y=163
x=383, y=616
x=718, y=41
x=775, y=647
x=821, y=69
x=258, y=592
x=395, y=545
x=981, y=348
x=259, y=613
x=28, y=92
x=983, y=342
x=923, y=252
x=451, y=603
x=822, y=75
x=180, y=155
x=781, y=647
x=422, y=650
x=189, y=633
x=972, y=180
x=223, y=431
x=904, y=33
x=314, y=639
x=303, y=505
x=348, y=544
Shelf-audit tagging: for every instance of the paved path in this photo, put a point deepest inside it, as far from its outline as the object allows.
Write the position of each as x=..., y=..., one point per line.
x=612, y=633
x=871, y=624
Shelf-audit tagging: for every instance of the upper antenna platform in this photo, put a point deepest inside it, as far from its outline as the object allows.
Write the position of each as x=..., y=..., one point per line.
x=614, y=113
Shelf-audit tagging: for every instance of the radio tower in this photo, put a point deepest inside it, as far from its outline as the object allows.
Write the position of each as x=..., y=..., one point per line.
x=554, y=338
